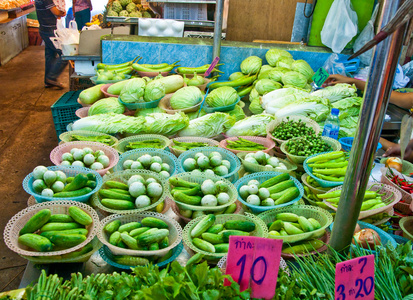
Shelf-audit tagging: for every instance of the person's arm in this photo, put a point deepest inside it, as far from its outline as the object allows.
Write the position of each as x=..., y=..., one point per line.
x=73, y=7
x=395, y=151
x=335, y=78
x=57, y=12
x=89, y=2
x=404, y=100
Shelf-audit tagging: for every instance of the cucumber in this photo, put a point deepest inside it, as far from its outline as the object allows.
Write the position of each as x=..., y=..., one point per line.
x=194, y=259
x=203, y=225
x=306, y=225
x=71, y=194
x=283, y=232
x=291, y=229
x=227, y=233
x=222, y=248
x=116, y=185
x=91, y=184
x=307, y=246
x=296, y=225
x=240, y=225
x=164, y=243
x=91, y=176
x=131, y=260
x=129, y=226
x=69, y=179
x=117, y=87
x=48, y=234
x=154, y=223
x=61, y=218
x=135, y=232
x=112, y=226
x=182, y=183
x=129, y=241
x=119, y=191
x=118, y=204
x=36, y=242
x=106, y=193
x=59, y=226
x=121, y=244
x=203, y=245
x=78, y=183
x=91, y=95
x=231, y=208
x=190, y=192
x=36, y=221
x=153, y=247
x=80, y=216
x=147, y=238
x=212, y=238
x=86, y=249
x=315, y=223
x=288, y=196
x=114, y=238
x=287, y=217
x=274, y=180
x=281, y=186
x=192, y=200
x=276, y=225
x=67, y=240
x=217, y=228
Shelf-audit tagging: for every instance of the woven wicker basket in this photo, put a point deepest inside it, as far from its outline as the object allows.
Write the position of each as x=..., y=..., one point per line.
x=175, y=233
x=372, y=186
x=112, y=154
x=123, y=176
x=406, y=197
x=210, y=142
x=406, y=224
x=315, y=190
x=273, y=124
x=260, y=231
x=121, y=147
x=321, y=215
x=253, y=168
x=16, y=223
x=407, y=167
x=325, y=239
x=390, y=213
x=165, y=104
x=268, y=144
x=66, y=136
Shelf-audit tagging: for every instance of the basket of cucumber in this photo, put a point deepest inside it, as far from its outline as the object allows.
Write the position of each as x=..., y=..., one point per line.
x=200, y=192
x=62, y=183
x=156, y=160
x=142, y=234
x=262, y=191
x=267, y=164
x=181, y=144
x=130, y=192
x=210, y=234
x=127, y=262
x=282, y=222
x=142, y=141
x=51, y=228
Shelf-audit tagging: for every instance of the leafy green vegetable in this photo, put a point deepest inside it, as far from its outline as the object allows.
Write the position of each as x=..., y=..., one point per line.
x=312, y=107
x=146, y=111
x=194, y=115
x=277, y=73
x=285, y=62
x=251, y=65
x=265, y=86
x=186, y=97
x=337, y=92
x=277, y=99
x=237, y=113
x=301, y=66
x=154, y=90
x=165, y=124
x=106, y=105
x=348, y=106
x=295, y=79
x=209, y=125
x=273, y=55
x=255, y=106
x=222, y=96
x=254, y=94
x=133, y=91
x=251, y=126
x=110, y=123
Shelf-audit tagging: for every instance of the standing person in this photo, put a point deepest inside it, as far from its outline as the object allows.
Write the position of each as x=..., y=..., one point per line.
x=81, y=11
x=47, y=15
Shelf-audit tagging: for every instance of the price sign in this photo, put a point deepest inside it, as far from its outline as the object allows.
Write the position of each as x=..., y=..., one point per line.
x=320, y=76
x=254, y=262
x=355, y=279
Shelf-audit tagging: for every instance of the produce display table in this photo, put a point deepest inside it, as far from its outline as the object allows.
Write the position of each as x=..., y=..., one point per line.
x=14, y=37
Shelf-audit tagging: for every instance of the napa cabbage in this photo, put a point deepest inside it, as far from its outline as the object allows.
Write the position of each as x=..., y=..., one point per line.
x=209, y=125
x=251, y=126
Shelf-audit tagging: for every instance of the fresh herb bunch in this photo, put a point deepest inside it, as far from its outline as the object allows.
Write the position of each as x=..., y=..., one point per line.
x=291, y=129
x=307, y=145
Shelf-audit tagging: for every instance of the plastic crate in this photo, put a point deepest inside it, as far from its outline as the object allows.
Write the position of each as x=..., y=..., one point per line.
x=185, y=11
x=63, y=111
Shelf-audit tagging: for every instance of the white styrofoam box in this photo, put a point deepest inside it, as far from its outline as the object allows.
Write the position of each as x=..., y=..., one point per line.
x=181, y=11
x=86, y=67
x=160, y=27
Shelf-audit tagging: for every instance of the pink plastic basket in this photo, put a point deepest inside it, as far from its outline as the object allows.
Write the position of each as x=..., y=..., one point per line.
x=104, y=90
x=82, y=112
x=269, y=144
x=112, y=154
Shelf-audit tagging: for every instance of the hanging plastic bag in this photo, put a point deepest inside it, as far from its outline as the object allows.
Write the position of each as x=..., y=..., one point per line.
x=333, y=66
x=340, y=26
x=365, y=36
x=400, y=81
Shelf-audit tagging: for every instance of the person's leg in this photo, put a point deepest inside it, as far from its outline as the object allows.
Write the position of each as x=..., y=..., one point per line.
x=82, y=17
x=49, y=53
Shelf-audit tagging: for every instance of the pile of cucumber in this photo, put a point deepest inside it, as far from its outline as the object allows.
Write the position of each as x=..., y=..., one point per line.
x=264, y=159
x=86, y=157
x=193, y=214
x=55, y=183
x=213, y=164
x=150, y=234
x=45, y=232
x=274, y=191
x=287, y=224
x=210, y=237
x=209, y=193
x=137, y=193
x=148, y=162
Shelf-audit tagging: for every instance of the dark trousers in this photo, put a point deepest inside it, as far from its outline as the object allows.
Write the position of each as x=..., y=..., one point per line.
x=54, y=65
x=82, y=17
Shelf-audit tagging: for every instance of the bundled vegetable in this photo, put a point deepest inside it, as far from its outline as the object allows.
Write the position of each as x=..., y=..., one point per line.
x=330, y=166
x=104, y=139
x=188, y=145
x=86, y=157
x=152, y=143
x=214, y=164
x=264, y=159
x=45, y=232
x=307, y=145
x=291, y=129
x=274, y=191
x=107, y=105
x=148, y=162
x=244, y=145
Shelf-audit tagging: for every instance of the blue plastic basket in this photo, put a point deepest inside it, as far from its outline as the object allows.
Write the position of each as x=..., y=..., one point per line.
x=209, y=109
x=261, y=177
x=107, y=256
x=321, y=182
x=231, y=157
x=167, y=157
x=133, y=106
x=70, y=172
x=399, y=239
x=347, y=143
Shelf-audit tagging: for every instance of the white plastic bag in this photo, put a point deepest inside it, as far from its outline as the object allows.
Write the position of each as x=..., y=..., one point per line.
x=365, y=36
x=333, y=66
x=400, y=81
x=340, y=26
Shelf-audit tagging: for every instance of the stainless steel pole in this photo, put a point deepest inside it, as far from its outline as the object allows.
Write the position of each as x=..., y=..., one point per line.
x=219, y=14
x=376, y=99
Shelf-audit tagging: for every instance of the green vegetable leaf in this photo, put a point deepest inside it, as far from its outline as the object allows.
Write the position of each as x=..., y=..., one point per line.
x=210, y=295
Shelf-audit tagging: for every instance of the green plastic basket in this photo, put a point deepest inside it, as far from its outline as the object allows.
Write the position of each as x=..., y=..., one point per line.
x=253, y=168
x=321, y=215
x=335, y=145
x=121, y=147
x=64, y=111
x=66, y=137
x=260, y=231
x=200, y=178
x=407, y=167
x=406, y=224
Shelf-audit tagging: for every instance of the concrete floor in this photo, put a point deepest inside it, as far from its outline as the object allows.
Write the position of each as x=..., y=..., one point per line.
x=27, y=136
